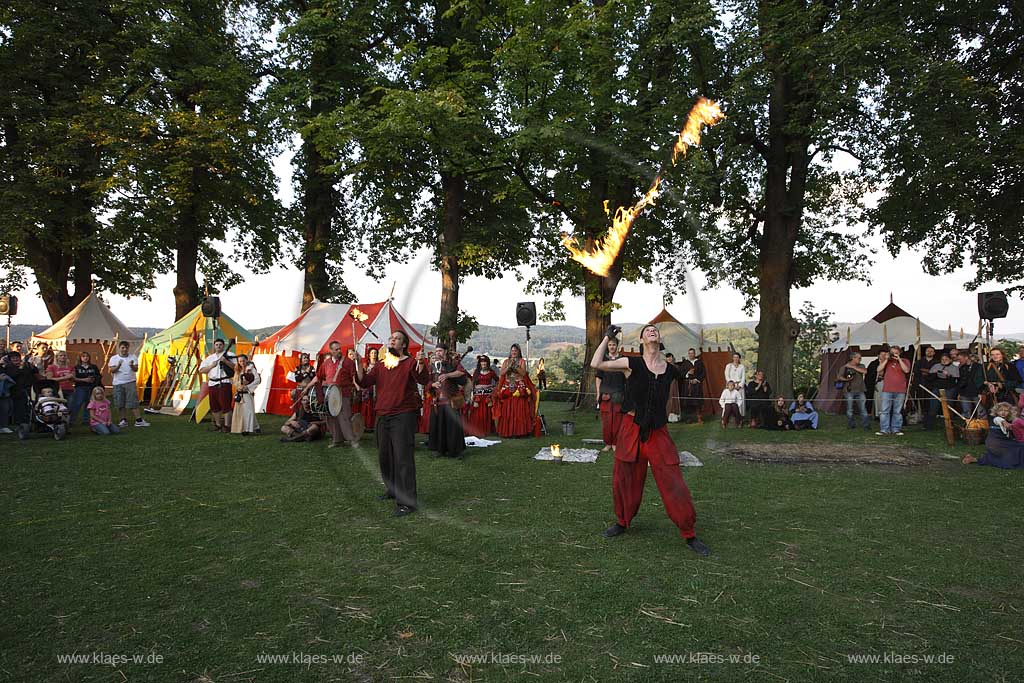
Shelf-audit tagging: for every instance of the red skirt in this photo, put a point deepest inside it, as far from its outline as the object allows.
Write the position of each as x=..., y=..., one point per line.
x=366, y=409
x=611, y=422
x=517, y=416
x=479, y=420
x=428, y=404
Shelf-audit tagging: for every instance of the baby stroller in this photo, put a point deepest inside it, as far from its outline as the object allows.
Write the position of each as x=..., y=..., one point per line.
x=46, y=416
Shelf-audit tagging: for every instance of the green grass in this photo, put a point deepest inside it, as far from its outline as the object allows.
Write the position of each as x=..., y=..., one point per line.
x=210, y=550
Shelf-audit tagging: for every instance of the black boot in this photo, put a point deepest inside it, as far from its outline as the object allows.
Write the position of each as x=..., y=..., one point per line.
x=697, y=546
x=614, y=530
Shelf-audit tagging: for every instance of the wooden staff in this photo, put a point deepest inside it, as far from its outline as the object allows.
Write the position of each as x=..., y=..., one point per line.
x=950, y=437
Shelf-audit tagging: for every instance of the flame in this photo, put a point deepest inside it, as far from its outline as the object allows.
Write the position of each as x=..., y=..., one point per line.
x=599, y=258
x=389, y=360
x=704, y=113
x=556, y=451
x=358, y=315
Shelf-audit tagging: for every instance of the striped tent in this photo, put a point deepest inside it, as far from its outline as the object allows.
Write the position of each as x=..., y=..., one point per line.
x=187, y=341
x=313, y=331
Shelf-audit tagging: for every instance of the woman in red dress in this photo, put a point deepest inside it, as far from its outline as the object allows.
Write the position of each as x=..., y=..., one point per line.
x=516, y=400
x=480, y=413
x=366, y=395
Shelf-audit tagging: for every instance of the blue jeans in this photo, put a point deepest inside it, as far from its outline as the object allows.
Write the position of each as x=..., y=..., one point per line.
x=892, y=412
x=79, y=400
x=967, y=404
x=106, y=430
x=860, y=398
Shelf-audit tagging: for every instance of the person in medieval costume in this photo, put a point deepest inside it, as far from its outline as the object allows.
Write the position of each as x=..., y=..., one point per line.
x=644, y=439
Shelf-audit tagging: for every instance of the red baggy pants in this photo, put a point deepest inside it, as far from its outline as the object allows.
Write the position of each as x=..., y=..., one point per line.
x=611, y=421
x=631, y=459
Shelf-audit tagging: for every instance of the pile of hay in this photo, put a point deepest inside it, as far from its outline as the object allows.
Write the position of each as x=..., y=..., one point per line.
x=838, y=454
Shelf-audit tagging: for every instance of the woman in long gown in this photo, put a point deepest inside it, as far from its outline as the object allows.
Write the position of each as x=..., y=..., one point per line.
x=366, y=395
x=246, y=379
x=480, y=412
x=517, y=412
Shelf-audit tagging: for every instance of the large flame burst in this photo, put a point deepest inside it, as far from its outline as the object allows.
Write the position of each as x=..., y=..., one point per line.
x=390, y=361
x=600, y=257
x=358, y=315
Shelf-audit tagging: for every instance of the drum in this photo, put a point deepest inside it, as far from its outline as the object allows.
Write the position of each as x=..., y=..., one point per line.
x=316, y=406
x=332, y=397
x=358, y=426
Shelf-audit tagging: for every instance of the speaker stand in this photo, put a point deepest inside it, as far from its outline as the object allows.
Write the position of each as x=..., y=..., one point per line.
x=527, y=349
x=8, y=344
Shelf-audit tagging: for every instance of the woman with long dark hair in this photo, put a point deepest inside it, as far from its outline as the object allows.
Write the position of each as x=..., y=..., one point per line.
x=480, y=413
x=516, y=396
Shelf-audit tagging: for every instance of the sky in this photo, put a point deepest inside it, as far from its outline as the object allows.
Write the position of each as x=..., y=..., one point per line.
x=272, y=299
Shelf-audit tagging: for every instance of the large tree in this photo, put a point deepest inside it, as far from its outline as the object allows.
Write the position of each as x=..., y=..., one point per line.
x=428, y=168
x=954, y=154
x=793, y=163
x=328, y=54
x=61, y=106
x=596, y=93
x=196, y=160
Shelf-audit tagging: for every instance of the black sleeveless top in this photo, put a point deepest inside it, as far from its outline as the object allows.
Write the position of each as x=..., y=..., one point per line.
x=647, y=394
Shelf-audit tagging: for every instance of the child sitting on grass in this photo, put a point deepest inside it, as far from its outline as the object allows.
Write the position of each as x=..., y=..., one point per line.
x=99, y=414
x=730, y=402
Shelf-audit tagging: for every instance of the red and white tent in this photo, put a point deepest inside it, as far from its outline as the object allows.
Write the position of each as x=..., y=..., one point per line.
x=313, y=331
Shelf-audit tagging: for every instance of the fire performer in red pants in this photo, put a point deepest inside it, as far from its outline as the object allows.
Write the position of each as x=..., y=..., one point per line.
x=643, y=438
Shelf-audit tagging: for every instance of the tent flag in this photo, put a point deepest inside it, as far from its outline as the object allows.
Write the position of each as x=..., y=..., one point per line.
x=203, y=404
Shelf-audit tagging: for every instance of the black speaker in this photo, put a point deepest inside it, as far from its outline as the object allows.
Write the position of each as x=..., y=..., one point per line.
x=526, y=314
x=8, y=304
x=211, y=307
x=992, y=305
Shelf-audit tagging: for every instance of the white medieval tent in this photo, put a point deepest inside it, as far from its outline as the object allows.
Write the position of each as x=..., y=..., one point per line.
x=891, y=325
x=89, y=327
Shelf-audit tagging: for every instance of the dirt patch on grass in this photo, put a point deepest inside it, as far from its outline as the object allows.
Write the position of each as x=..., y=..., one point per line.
x=831, y=454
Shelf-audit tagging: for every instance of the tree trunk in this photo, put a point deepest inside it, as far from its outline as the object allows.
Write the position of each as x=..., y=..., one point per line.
x=53, y=271
x=453, y=188
x=186, y=289
x=318, y=199
x=600, y=292
x=785, y=184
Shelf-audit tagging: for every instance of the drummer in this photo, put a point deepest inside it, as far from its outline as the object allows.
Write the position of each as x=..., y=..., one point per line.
x=335, y=374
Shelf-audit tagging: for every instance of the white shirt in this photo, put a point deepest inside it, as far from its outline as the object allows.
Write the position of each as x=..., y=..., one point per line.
x=124, y=375
x=729, y=396
x=736, y=374
x=213, y=369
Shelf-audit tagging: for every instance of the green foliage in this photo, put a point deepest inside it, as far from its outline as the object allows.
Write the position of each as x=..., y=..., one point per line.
x=595, y=95
x=955, y=115
x=61, y=110
x=195, y=160
x=816, y=332
x=466, y=326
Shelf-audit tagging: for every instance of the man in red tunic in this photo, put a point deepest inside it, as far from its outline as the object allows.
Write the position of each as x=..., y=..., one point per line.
x=397, y=414
x=643, y=438
x=336, y=370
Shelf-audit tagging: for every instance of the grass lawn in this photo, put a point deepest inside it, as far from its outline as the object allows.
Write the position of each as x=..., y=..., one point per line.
x=212, y=552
